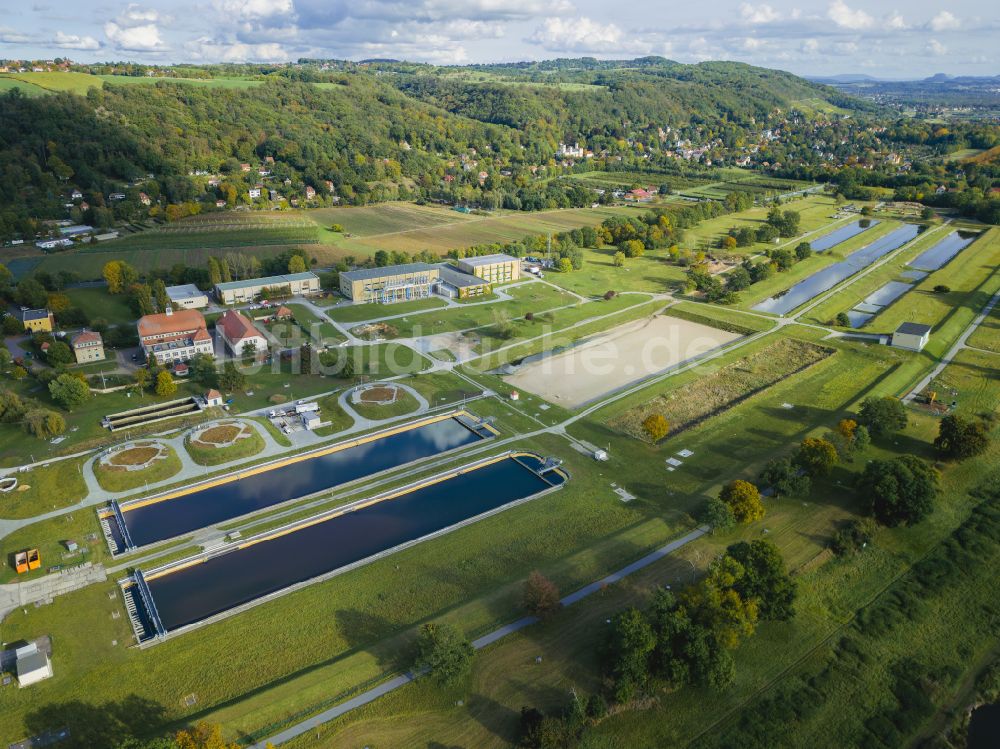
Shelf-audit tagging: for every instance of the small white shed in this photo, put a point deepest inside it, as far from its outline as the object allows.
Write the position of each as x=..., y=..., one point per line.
x=33, y=665
x=911, y=335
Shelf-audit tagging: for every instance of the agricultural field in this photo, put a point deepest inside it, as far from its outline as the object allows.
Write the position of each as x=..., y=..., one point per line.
x=75, y=83
x=8, y=83
x=724, y=388
x=465, y=230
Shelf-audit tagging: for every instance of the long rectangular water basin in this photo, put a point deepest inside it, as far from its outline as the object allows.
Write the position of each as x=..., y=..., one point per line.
x=185, y=593
x=826, y=279
x=944, y=251
x=842, y=234
x=146, y=521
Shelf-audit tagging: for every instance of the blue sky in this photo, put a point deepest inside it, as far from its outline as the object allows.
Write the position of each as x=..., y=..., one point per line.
x=916, y=38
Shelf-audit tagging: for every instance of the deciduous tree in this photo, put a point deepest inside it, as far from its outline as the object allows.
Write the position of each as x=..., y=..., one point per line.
x=444, y=651
x=744, y=499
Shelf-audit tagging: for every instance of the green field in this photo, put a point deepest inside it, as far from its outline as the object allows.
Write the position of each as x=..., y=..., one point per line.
x=404, y=404
x=75, y=83
x=114, y=479
x=98, y=304
x=45, y=488
x=7, y=83
x=529, y=297
x=207, y=455
x=350, y=313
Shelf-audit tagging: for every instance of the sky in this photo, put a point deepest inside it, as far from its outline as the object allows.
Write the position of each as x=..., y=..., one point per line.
x=809, y=37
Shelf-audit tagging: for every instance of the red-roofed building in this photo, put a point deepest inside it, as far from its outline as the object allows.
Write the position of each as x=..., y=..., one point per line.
x=239, y=333
x=174, y=336
x=87, y=346
x=213, y=398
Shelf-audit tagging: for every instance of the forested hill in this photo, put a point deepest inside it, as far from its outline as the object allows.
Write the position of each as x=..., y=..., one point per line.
x=374, y=131
x=581, y=98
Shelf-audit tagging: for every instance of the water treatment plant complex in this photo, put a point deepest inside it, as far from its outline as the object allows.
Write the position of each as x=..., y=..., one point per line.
x=262, y=550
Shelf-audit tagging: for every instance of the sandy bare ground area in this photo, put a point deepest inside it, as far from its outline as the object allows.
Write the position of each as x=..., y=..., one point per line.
x=616, y=358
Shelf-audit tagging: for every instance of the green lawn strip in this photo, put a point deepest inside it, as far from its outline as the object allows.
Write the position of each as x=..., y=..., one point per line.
x=856, y=292
x=724, y=318
x=405, y=403
x=97, y=303
x=314, y=325
x=441, y=388
x=350, y=313
x=548, y=340
x=275, y=433
x=119, y=480
x=206, y=455
x=554, y=320
x=535, y=298
x=987, y=335
x=49, y=537
x=288, y=333
x=652, y=272
x=330, y=410
x=805, y=268
x=45, y=488
x=443, y=355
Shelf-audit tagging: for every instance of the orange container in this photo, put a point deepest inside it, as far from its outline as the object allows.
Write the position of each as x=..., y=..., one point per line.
x=21, y=562
x=34, y=559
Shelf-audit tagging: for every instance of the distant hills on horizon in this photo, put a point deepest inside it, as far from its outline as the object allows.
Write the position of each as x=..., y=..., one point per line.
x=943, y=78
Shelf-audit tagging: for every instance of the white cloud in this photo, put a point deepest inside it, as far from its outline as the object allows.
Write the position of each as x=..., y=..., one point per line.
x=145, y=38
x=136, y=15
x=12, y=36
x=72, y=41
x=843, y=15
x=895, y=21
x=215, y=50
x=249, y=10
x=935, y=48
x=577, y=35
x=944, y=21
x=758, y=13
x=751, y=43
x=810, y=46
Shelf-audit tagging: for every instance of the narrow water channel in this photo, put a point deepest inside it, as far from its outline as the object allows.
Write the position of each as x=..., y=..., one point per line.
x=156, y=521
x=826, y=279
x=842, y=234
x=194, y=593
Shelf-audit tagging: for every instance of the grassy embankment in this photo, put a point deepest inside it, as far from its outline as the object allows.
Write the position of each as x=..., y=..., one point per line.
x=114, y=477
x=204, y=453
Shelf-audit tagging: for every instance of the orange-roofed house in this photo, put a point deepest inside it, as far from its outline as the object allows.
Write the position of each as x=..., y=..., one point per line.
x=87, y=346
x=240, y=334
x=175, y=336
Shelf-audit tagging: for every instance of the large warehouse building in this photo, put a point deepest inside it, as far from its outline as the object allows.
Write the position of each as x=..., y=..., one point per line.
x=239, y=292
